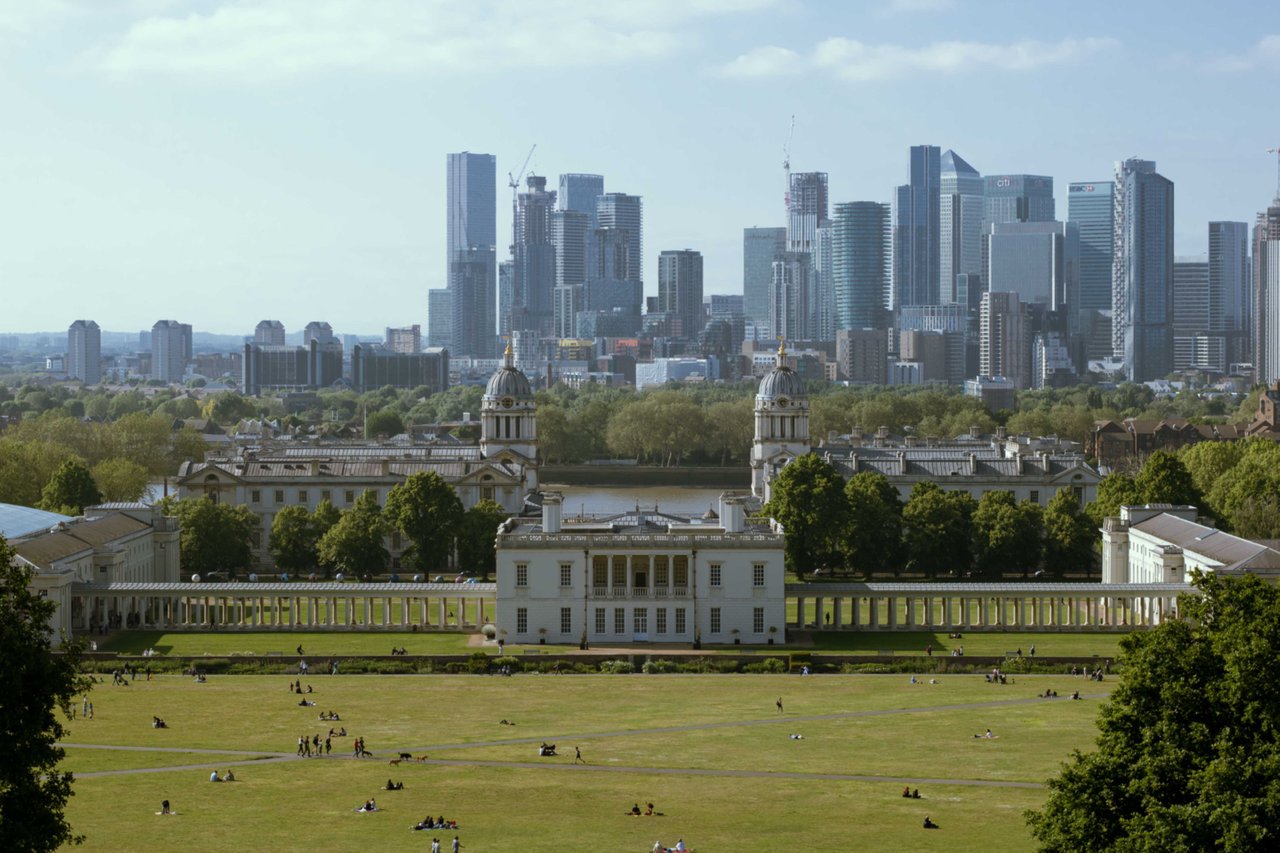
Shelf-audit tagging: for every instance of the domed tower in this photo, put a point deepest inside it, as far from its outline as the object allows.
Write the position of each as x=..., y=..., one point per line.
x=782, y=424
x=508, y=422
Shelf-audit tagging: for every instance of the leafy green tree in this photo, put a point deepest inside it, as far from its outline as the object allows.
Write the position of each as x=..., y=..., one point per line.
x=426, y=509
x=1069, y=536
x=355, y=543
x=938, y=529
x=384, y=422
x=34, y=683
x=1165, y=480
x=26, y=467
x=476, y=538
x=1187, y=756
x=807, y=498
x=215, y=537
x=1115, y=490
x=555, y=444
x=120, y=479
x=729, y=428
x=71, y=489
x=293, y=539
x=324, y=517
x=1206, y=461
x=1253, y=484
x=873, y=536
x=228, y=408
x=1007, y=535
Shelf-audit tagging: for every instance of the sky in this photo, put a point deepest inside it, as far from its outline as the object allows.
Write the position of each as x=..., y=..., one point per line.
x=219, y=162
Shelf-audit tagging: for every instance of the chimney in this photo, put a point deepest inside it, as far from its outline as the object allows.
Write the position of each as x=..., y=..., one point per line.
x=973, y=431
x=973, y=464
x=551, y=512
x=732, y=513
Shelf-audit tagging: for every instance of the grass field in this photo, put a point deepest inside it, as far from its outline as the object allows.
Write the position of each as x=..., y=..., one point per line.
x=712, y=752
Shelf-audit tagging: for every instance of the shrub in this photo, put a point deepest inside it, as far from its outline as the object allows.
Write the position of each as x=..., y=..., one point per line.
x=766, y=665
x=656, y=667
x=489, y=632
x=617, y=667
x=478, y=663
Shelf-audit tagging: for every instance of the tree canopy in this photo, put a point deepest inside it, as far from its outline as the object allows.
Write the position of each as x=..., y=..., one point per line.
x=1188, y=756
x=427, y=510
x=873, y=535
x=71, y=489
x=35, y=683
x=476, y=538
x=354, y=544
x=808, y=500
x=215, y=536
x=938, y=526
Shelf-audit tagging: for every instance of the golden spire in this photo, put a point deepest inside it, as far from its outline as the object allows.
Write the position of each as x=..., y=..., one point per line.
x=507, y=356
x=782, y=351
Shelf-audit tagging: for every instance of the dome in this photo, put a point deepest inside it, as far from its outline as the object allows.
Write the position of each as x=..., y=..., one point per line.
x=509, y=382
x=781, y=382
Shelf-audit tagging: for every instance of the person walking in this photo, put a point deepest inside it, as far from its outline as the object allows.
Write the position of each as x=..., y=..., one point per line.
x=779, y=704
x=577, y=755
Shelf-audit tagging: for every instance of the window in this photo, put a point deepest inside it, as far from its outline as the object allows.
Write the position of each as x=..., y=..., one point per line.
x=599, y=620
x=680, y=626
x=619, y=620
x=660, y=565
x=600, y=572
x=302, y=496
x=680, y=567
x=640, y=620
x=349, y=496
x=620, y=572
x=566, y=620
x=757, y=574
x=522, y=620
x=757, y=620
x=660, y=621
x=279, y=496
x=326, y=495
x=715, y=620
x=715, y=574
x=522, y=574
x=566, y=574
x=486, y=493
x=1035, y=496
x=255, y=497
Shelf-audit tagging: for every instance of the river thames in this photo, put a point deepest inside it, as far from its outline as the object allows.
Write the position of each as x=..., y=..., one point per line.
x=596, y=500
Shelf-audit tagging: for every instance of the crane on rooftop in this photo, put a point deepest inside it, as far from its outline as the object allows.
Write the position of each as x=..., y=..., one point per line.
x=1276, y=151
x=786, y=163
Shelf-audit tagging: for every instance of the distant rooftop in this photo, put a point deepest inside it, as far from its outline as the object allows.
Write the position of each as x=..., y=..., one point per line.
x=16, y=521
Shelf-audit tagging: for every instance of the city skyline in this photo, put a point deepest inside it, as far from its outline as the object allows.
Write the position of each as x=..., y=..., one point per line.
x=164, y=161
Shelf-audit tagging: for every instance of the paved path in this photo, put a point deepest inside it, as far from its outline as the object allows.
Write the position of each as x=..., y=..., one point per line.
x=264, y=757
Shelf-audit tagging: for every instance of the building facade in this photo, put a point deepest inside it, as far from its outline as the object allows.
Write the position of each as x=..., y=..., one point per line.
x=680, y=289
x=1161, y=543
x=960, y=219
x=1090, y=208
x=916, y=227
x=1142, y=271
x=1040, y=261
x=1018, y=198
x=373, y=367
x=471, y=216
x=861, y=260
x=759, y=248
x=84, y=352
x=170, y=350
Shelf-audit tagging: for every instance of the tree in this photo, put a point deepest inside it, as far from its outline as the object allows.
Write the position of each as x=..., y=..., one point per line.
x=1165, y=480
x=1007, y=535
x=1252, y=484
x=1115, y=490
x=293, y=539
x=476, y=538
x=34, y=682
x=71, y=489
x=873, y=536
x=938, y=525
x=428, y=512
x=1069, y=536
x=354, y=544
x=26, y=467
x=384, y=422
x=228, y=408
x=807, y=499
x=215, y=536
x=120, y=479
x=1187, y=755
x=1206, y=461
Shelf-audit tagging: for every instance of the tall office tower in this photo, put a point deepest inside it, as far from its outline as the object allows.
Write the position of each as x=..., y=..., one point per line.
x=613, y=294
x=680, y=289
x=318, y=331
x=1004, y=345
x=1198, y=339
x=960, y=215
x=439, y=317
x=759, y=247
x=170, y=350
x=619, y=211
x=916, y=257
x=792, y=307
x=534, y=256
x=860, y=261
x=569, y=238
x=579, y=192
x=1229, y=285
x=269, y=332
x=506, y=297
x=1091, y=208
x=1040, y=261
x=404, y=339
x=1142, y=271
x=472, y=272
x=1018, y=198
x=824, y=285
x=84, y=352
x=569, y=300
x=806, y=209
x=1266, y=294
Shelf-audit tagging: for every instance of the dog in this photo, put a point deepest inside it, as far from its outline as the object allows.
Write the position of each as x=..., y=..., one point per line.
x=406, y=756
x=420, y=758
x=394, y=761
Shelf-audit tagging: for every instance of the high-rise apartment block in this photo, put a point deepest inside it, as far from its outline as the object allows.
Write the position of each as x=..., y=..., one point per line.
x=1231, y=305
x=439, y=317
x=916, y=224
x=1142, y=271
x=1266, y=293
x=471, y=245
x=170, y=350
x=1198, y=338
x=860, y=260
x=84, y=352
x=960, y=215
x=806, y=209
x=269, y=332
x=759, y=247
x=680, y=289
x=1004, y=343
x=534, y=258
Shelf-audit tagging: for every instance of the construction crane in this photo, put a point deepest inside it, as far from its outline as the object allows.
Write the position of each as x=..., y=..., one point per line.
x=786, y=164
x=513, y=181
x=1276, y=151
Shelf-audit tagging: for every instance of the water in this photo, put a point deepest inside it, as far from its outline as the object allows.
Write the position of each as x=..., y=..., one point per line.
x=595, y=500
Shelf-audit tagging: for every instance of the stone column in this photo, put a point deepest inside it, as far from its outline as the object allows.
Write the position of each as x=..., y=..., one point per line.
x=837, y=616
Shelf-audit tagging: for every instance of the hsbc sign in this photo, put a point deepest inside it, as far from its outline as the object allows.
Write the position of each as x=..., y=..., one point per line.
x=1081, y=188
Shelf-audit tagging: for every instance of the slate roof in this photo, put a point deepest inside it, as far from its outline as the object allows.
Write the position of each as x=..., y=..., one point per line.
x=71, y=539
x=1231, y=551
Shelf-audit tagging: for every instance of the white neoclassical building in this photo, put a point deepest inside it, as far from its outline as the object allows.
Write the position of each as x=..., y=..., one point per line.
x=1161, y=543
x=641, y=577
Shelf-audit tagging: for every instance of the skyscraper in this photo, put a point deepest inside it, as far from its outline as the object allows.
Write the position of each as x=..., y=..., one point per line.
x=472, y=272
x=406, y=339
x=622, y=211
x=170, y=350
x=1229, y=285
x=579, y=192
x=1196, y=341
x=916, y=247
x=84, y=352
x=439, y=317
x=959, y=228
x=1004, y=344
x=792, y=307
x=1018, y=198
x=680, y=289
x=759, y=247
x=1039, y=261
x=534, y=257
x=1142, y=271
x=806, y=209
x=860, y=259
x=1266, y=293
x=1090, y=207
x=269, y=332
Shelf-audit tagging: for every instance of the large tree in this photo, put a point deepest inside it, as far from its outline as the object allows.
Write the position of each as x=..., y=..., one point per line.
x=120, y=479
x=1115, y=490
x=1188, y=756
x=428, y=512
x=807, y=498
x=476, y=538
x=355, y=543
x=293, y=539
x=1069, y=536
x=1007, y=535
x=215, y=536
x=35, y=682
x=1165, y=480
x=873, y=535
x=938, y=527
x=71, y=489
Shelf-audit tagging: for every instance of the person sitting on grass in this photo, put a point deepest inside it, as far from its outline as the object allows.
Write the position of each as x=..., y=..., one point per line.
x=229, y=777
x=635, y=810
x=928, y=824
x=906, y=792
x=214, y=777
x=164, y=808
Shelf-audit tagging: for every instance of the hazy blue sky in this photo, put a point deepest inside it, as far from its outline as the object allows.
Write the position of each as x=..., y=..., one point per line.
x=223, y=162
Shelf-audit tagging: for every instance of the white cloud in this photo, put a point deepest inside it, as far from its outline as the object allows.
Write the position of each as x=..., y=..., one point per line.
x=853, y=60
x=1264, y=54
x=265, y=39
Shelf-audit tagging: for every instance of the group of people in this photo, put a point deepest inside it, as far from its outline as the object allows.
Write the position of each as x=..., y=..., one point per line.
x=394, y=786
x=430, y=822
x=679, y=848
x=995, y=676
x=358, y=750
x=958, y=651
x=370, y=805
x=398, y=650
x=157, y=723
x=122, y=677
x=296, y=687
x=309, y=746
x=229, y=777
x=648, y=811
x=910, y=794
x=330, y=716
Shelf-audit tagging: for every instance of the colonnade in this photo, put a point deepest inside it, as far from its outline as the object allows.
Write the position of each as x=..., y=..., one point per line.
x=987, y=607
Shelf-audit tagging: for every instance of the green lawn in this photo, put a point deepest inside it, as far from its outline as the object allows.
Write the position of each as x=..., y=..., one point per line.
x=992, y=643
x=314, y=644
x=676, y=740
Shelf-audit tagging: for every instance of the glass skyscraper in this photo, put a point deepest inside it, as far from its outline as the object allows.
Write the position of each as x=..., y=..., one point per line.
x=472, y=230
x=759, y=247
x=1142, y=271
x=959, y=227
x=1018, y=198
x=916, y=230
x=1229, y=285
x=860, y=258
x=1090, y=207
